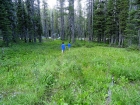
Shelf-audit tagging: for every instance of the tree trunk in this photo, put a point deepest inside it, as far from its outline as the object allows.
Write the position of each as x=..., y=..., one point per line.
x=139, y=37
x=6, y=40
x=115, y=40
x=92, y=5
x=62, y=19
x=33, y=21
x=112, y=39
x=89, y=19
x=120, y=35
x=14, y=25
x=122, y=41
x=45, y=19
x=129, y=41
x=39, y=22
x=52, y=25
x=71, y=13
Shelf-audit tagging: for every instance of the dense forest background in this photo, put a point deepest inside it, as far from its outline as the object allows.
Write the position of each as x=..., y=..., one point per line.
x=116, y=22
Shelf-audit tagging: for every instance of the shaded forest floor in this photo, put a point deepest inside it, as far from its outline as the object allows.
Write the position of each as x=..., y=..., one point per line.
x=88, y=74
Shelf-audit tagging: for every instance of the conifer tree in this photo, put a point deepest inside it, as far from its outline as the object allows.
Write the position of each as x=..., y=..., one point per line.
x=111, y=22
x=39, y=26
x=6, y=19
x=29, y=20
x=15, y=37
x=137, y=19
x=130, y=27
x=99, y=18
x=122, y=9
x=20, y=19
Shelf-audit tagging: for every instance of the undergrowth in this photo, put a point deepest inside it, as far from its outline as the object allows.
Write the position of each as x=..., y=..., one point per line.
x=39, y=74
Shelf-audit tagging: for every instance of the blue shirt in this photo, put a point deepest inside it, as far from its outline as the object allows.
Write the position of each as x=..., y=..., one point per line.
x=63, y=46
x=69, y=45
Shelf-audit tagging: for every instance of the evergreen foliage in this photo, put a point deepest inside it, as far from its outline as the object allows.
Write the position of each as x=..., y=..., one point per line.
x=111, y=24
x=6, y=19
x=99, y=19
x=116, y=22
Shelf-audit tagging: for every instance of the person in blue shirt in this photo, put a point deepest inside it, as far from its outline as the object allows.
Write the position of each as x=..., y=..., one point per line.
x=63, y=47
x=69, y=45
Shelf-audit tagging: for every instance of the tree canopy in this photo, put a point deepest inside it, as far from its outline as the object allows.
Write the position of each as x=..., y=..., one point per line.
x=115, y=22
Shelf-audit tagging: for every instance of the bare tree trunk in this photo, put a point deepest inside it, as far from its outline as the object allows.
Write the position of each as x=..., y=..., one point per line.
x=45, y=19
x=39, y=21
x=29, y=4
x=120, y=35
x=33, y=21
x=25, y=34
x=52, y=25
x=130, y=7
x=112, y=40
x=139, y=37
x=90, y=19
x=62, y=19
x=122, y=41
x=14, y=25
x=25, y=29
x=84, y=29
x=92, y=4
x=79, y=21
x=71, y=13
x=89, y=16
x=130, y=41
x=115, y=40
x=105, y=10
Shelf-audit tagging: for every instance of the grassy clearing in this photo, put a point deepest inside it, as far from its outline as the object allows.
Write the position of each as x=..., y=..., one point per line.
x=40, y=74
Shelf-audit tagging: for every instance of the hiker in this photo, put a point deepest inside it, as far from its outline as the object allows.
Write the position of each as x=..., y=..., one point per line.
x=63, y=47
x=69, y=45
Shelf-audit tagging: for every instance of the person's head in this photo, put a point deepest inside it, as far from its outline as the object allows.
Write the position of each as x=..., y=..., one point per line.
x=62, y=42
x=69, y=42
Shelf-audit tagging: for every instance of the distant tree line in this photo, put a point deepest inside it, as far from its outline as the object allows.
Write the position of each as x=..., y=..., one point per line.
x=20, y=20
x=116, y=22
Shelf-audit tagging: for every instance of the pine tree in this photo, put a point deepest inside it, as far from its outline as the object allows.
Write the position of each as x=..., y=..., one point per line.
x=14, y=23
x=6, y=19
x=20, y=18
x=122, y=6
x=111, y=22
x=29, y=20
x=39, y=26
x=137, y=19
x=99, y=18
x=130, y=27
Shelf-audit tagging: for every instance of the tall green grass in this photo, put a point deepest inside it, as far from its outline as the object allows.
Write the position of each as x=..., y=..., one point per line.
x=41, y=74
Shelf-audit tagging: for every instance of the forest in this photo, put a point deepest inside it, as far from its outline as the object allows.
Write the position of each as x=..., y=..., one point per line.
x=116, y=22
x=102, y=66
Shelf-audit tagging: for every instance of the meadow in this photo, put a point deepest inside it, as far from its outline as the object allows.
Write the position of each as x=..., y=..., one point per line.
x=88, y=74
